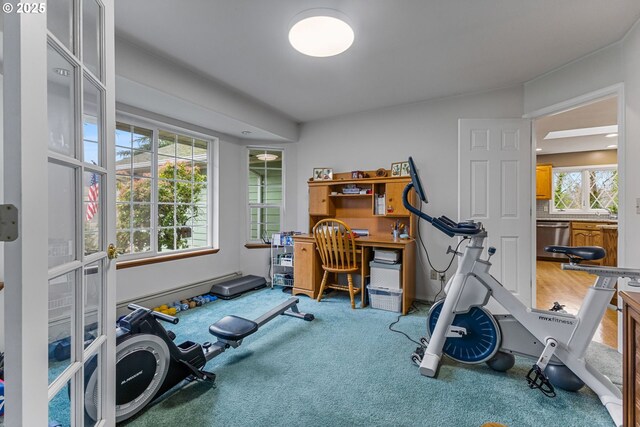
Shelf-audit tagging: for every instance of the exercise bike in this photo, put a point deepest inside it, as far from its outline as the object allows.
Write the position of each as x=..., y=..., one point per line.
x=149, y=363
x=462, y=328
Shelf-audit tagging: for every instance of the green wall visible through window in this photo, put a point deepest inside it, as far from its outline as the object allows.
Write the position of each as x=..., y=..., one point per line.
x=265, y=195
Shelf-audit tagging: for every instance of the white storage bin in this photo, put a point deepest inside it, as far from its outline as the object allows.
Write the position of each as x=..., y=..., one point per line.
x=385, y=299
x=385, y=275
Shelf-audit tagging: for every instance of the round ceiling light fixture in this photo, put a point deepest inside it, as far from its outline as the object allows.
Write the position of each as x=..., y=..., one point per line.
x=612, y=146
x=266, y=157
x=538, y=149
x=321, y=33
x=611, y=135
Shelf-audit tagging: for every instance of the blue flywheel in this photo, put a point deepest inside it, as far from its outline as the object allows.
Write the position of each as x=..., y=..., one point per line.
x=482, y=340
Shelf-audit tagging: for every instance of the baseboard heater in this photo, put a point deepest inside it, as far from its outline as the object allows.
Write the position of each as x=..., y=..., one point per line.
x=176, y=294
x=235, y=287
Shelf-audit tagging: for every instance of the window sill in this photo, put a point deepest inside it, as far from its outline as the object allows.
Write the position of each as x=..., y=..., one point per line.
x=162, y=258
x=256, y=246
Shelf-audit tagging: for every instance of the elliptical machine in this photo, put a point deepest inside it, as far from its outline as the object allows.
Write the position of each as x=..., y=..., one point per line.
x=149, y=363
x=462, y=328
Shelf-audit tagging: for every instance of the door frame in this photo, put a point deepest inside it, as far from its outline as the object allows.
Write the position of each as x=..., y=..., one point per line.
x=613, y=90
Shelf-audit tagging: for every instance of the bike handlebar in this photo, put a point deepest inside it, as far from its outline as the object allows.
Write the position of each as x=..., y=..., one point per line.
x=444, y=224
x=156, y=314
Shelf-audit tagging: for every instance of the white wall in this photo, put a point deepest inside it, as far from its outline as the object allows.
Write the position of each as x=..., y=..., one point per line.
x=617, y=63
x=597, y=70
x=428, y=131
x=157, y=84
x=631, y=155
x=149, y=279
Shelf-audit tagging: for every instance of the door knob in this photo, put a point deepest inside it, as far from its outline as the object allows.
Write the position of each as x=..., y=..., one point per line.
x=112, y=252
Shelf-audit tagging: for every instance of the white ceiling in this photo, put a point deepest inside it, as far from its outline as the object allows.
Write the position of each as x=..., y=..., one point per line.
x=404, y=51
x=600, y=113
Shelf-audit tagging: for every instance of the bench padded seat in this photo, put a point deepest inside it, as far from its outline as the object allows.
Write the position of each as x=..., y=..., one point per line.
x=589, y=253
x=233, y=328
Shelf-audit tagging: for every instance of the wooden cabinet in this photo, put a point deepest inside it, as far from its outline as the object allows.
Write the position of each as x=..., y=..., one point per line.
x=610, y=244
x=394, y=191
x=543, y=182
x=593, y=234
x=319, y=201
x=373, y=203
x=307, y=269
x=631, y=359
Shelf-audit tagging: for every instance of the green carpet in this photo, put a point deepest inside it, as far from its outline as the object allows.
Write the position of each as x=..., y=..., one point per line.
x=346, y=368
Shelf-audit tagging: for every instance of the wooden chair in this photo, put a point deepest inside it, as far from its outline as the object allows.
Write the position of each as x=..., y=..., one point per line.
x=336, y=244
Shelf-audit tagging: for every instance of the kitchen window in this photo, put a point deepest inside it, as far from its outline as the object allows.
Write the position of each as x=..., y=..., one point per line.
x=585, y=190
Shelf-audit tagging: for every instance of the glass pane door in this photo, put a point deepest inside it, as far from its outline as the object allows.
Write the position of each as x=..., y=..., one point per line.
x=78, y=262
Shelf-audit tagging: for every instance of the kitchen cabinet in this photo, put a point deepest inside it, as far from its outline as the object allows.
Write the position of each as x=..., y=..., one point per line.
x=596, y=234
x=543, y=182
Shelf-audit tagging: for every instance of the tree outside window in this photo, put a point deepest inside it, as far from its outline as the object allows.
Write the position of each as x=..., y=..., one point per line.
x=585, y=190
x=176, y=169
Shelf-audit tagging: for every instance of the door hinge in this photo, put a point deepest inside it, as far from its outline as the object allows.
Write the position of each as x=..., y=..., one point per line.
x=8, y=223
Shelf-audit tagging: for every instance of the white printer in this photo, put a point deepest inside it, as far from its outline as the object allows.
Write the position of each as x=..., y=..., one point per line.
x=385, y=256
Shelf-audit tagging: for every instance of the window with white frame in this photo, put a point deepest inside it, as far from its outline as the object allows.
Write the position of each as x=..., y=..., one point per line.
x=590, y=189
x=265, y=192
x=162, y=184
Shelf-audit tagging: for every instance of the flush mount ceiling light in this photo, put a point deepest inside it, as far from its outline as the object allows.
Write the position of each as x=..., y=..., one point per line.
x=611, y=135
x=62, y=71
x=612, y=146
x=538, y=149
x=321, y=33
x=267, y=157
x=570, y=133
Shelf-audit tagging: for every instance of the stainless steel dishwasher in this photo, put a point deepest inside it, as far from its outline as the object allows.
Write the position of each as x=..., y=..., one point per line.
x=552, y=233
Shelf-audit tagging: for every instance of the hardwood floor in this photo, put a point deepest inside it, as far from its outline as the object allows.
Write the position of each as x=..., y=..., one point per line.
x=569, y=288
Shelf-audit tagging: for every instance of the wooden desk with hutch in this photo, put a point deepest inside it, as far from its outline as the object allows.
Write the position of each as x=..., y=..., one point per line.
x=326, y=200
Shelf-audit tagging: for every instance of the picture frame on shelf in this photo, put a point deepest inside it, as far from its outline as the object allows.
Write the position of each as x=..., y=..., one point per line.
x=396, y=168
x=404, y=169
x=322, y=174
x=317, y=174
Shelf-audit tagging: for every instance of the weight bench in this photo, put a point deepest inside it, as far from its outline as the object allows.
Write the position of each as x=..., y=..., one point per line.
x=231, y=330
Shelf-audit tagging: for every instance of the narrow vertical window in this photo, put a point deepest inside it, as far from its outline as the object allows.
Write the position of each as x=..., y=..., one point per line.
x=265, y=193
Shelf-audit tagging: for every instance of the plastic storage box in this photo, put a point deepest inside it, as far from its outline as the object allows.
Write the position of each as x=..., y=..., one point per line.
x=385, y=275
x=385, y=299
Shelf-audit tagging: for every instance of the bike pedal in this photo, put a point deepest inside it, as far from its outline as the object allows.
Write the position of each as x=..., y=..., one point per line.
x=537, y=379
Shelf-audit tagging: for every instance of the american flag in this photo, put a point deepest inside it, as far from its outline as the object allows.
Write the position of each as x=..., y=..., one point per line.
x=92, y=204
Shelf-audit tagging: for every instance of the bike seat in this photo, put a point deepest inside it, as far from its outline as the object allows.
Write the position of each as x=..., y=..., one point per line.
x=233, y=328
x=588, y=253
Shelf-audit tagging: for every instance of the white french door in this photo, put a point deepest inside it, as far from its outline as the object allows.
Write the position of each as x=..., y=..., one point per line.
x=59, y=172
x=494, y=166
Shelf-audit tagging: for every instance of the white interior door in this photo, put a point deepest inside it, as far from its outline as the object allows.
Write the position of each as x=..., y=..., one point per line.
x=59, y=121
x=494, y=165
